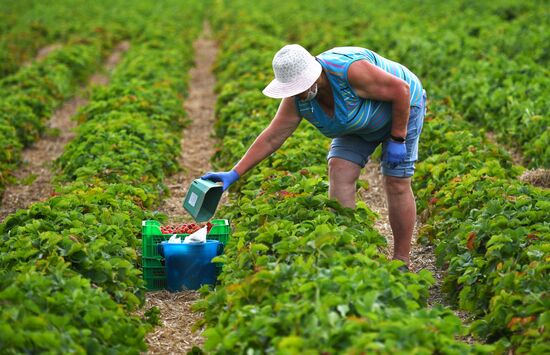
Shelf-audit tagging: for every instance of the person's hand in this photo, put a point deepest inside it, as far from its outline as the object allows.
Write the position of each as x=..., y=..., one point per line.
x=228, y=178
x=395, y=152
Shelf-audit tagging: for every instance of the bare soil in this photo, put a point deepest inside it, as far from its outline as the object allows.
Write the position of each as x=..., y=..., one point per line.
x=35, y=174
x=102, y=77
x=375, y=198
x=43, y=52
x=537, y=177
x=174, y=335
x=515, y=154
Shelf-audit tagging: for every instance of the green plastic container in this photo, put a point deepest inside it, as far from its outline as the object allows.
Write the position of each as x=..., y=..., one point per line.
x=155, y=278
x=151, y=236
x=202, y=199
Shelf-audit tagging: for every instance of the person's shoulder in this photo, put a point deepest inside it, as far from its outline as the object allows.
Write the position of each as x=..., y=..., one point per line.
x=328, y=52
x=355, y=68
x=360, y=75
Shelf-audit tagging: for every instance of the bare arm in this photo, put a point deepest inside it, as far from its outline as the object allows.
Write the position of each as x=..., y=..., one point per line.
x=371, y=82
x=282, y=126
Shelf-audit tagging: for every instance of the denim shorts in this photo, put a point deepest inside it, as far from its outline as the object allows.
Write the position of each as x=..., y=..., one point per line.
x=355, y=149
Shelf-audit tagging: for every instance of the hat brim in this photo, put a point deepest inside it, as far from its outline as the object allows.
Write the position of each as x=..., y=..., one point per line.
x=280, y=90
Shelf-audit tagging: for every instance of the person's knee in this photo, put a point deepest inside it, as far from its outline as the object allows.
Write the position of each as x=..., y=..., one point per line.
x=396, y=185
x=343, y=172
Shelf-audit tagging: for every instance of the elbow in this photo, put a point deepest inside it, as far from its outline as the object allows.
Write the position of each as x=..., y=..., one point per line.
x=401, y=93
x=405, y=91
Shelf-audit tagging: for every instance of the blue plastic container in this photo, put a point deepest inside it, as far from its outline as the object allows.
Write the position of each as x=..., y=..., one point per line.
x=189, y=265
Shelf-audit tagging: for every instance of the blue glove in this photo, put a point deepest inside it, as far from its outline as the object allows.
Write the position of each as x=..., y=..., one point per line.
x=395, y=152
x=228, y=178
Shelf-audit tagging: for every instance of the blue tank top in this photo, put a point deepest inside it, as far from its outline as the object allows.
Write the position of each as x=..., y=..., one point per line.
x=370, y=119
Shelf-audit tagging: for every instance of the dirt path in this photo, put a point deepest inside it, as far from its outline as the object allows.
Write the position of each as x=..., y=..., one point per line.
x=46, y=50
x=422, y=256
x=537, y=177
x=375, y=198
x=174, y=335
x=35, y=174
x=42, y=53
x=515, y=153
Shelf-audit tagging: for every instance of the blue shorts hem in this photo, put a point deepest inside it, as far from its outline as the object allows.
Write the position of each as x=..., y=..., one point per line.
x=398, y=172
x=349, y=156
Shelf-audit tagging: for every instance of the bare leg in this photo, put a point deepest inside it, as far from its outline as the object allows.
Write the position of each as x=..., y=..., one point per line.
x=343, y=177
x=402, y=214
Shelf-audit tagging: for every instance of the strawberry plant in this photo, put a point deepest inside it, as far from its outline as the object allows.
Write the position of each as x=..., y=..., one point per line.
x=81, y=243
x=61, y=311
x=27, y=26
x=30, y=96
x=487, y=227
x=295, y=269
x=302, y=274
x=490, y=230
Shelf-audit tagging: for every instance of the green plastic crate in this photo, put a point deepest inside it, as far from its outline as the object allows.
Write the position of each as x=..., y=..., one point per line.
x=151, y=262
x=151, y=236
x=153, y=272
x=153, y=269
x=156, y=284
x=155, y=278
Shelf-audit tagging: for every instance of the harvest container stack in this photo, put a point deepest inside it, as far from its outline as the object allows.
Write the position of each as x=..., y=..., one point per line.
x=154, y=272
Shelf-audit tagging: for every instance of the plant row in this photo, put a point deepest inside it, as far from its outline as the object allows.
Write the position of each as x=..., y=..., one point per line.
x=73, y=256
x=500, y=79
x=30, y=96
x=491, y=231
x=494, y=72
x=27, y=26
x=11, y=13
x=302, y=274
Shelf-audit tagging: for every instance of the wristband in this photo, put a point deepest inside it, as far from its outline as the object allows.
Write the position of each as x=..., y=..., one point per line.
x=234, y=174
x=397, y=139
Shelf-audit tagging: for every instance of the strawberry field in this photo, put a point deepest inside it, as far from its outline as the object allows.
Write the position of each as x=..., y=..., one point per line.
x=301, y=274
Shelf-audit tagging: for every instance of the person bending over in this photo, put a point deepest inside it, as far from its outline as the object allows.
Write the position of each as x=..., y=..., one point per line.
x=360, y=100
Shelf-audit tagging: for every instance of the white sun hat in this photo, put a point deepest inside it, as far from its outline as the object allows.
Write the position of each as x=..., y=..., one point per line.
x=295, y=71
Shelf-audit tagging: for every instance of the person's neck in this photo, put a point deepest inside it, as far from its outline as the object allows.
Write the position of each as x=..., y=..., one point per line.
x=325, y=90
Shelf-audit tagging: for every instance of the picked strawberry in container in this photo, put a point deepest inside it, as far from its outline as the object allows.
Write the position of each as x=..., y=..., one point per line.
x=185, y=228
